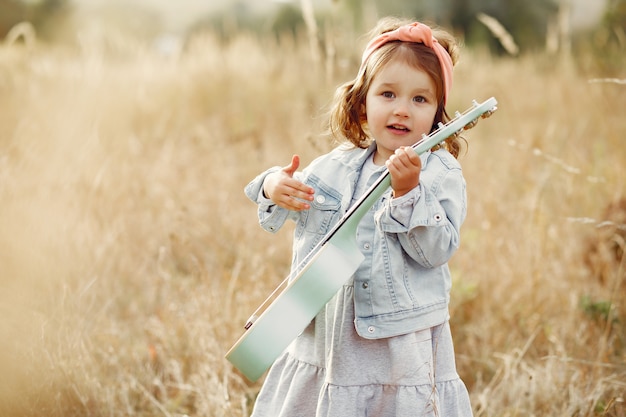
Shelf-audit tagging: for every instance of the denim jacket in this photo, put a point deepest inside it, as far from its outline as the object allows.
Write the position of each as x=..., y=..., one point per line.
x=414, y=236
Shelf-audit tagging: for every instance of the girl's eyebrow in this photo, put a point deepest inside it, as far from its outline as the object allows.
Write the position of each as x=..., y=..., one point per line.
x=423, y=90
x=388, y=84
x=419, y=90
x=396, y=83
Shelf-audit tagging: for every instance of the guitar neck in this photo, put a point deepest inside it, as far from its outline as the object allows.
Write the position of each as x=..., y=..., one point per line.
x=350, y=221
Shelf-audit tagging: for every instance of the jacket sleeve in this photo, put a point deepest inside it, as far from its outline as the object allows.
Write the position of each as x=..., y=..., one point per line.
x=428, y=219
x=271, y=217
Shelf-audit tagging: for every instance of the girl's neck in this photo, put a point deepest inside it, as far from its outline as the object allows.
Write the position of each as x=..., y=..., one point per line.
x=378, y=158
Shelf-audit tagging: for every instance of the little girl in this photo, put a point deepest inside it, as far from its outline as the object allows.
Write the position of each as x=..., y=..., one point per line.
x=382, y=345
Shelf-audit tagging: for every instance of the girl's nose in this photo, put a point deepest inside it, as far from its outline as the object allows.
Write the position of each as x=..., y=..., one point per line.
x=400, y=109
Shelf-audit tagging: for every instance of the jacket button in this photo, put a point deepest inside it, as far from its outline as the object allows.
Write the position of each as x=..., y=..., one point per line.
x=320, y=199
x=437, y=217
x=371, y=329
x=366, y=246
x=365, y=284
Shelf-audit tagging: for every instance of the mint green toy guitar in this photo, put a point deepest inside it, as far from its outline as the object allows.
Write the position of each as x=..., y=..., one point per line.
x=322, y=273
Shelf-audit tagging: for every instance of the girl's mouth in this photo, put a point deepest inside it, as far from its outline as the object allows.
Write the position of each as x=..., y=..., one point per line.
x=398, y=128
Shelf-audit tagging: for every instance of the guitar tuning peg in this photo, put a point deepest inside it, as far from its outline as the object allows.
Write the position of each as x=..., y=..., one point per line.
x=457, y=114
x=488, y=113
x=475, y=103
x=471, y=124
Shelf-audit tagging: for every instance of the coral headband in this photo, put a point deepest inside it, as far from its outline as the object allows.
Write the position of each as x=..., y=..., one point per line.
x=418, y=33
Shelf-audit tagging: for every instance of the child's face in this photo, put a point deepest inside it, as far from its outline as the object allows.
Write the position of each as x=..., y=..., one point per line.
x=400, y=106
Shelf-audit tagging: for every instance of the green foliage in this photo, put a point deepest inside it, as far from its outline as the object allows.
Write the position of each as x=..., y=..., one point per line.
x=601, y=310
x=612, y=38
x=12, y=13
x=526, y=20
x=615, y=16
x=288, y=19
x=41, y=14
x=604, y=43
x=284, y=19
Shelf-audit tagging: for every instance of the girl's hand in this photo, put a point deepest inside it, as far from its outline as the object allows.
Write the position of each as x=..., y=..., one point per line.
x=285, y=191
x=404, y=166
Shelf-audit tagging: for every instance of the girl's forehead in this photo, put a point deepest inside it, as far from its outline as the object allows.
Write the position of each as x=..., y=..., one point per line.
x=399, y=65
x=400, y=71
x=398, y=57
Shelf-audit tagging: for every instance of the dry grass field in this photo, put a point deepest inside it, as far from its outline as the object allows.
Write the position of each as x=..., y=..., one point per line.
x=130, y=258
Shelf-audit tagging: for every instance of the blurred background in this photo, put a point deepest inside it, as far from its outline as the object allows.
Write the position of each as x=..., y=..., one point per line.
x=130, y=258
x=569, y=25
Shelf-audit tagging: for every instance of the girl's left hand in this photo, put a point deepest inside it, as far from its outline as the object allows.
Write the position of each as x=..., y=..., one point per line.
x=404, y=166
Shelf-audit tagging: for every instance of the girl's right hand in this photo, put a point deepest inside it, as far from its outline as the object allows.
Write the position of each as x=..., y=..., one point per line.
x=287, y=192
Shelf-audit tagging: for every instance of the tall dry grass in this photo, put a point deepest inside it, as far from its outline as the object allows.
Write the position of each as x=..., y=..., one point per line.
x=130, y=257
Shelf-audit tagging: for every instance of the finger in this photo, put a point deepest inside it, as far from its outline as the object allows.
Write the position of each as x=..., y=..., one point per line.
x=291, y=192
x=413, y=156
x=293, y=165
x=399, y=160
x=292, y=203
x=408, y=157
x=299, y=205
x=295, y=188
x=393, y=165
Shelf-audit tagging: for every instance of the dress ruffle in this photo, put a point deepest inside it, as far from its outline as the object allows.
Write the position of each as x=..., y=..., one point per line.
x=330, y=371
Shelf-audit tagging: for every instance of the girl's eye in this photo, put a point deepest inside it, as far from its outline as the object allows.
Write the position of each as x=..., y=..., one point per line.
x=387, y=94
x=419, y=99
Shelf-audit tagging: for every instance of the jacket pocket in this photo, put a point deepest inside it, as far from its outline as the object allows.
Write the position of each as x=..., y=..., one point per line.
x=324, y=208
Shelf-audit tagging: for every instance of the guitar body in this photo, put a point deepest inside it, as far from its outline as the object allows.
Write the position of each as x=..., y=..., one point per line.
x=296, y=306
x=332, y=263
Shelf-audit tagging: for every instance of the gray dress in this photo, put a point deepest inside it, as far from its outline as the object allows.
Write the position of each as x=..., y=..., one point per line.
x=330, y=371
